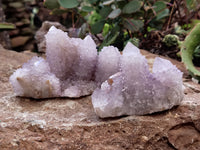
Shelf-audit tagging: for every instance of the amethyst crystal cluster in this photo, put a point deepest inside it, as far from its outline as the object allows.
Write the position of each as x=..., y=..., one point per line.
x=121, y=83
x=67, y=71
x=135, y=90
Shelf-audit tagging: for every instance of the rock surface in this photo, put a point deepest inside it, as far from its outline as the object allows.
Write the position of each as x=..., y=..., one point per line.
x=72, y=124
x=23, y=13
x=19, y=41
x=4, y=36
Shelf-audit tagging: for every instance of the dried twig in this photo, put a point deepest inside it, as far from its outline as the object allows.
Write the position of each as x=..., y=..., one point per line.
x=171, y=14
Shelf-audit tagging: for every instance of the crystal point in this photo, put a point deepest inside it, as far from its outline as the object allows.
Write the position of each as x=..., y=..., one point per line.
x=135, y=90
x=107, y=63
x=69, y=68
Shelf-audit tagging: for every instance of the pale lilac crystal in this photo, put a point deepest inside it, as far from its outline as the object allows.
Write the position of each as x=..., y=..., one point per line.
x=35, y=80
x=85, y=67
x=130, y=48
x=170, y=78
x=107, y=63
x=109, y=99
x=73, y=61
x=137, y=91
x=61, y=53
x=78, y=88
x=73, y=69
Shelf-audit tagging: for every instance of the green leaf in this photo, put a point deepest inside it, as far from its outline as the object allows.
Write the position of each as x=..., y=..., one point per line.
x=161, y=10
x=97, y=27
x=84, y=14
x=162, y=14
x=108, y=2
x=94, y=17
x=105, y=11
x=114, y=14
x=159, y=6
x=51, y=4
x=87, y=8
x=83, y=30
x=7, y=26
x=193, y=23
x=68, y=3
x=106, y=29
x=132, y=6
x=192, y=4
x=110, y=37
x=196, y=53
x=135, y=41
x=92, y=1
x=58, y=11
x=133, y=25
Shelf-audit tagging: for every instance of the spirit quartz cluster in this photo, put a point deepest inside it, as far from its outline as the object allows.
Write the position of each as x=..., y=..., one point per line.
x=121, y=83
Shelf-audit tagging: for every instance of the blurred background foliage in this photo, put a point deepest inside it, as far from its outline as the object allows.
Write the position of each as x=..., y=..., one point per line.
x=155, y=25
x=115, y=22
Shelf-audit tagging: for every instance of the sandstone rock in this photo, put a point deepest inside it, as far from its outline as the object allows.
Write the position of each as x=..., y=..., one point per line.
x=23, y=22
x=19, y=41
x=5, y=39
x=16, y=4
x=14, y=32
x=4, y=36
x=72, y=124
x=27, y=31
x=29, y=46
x=19, y=24
x=40, y=34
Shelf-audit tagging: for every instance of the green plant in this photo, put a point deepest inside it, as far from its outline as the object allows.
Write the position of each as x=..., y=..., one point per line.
x=188, y=48
x=171, y=40
x=196, y=53
x=6, y=26
x=117, y=20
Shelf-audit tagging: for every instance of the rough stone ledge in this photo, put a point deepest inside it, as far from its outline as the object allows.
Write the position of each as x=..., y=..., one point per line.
x=72, y=124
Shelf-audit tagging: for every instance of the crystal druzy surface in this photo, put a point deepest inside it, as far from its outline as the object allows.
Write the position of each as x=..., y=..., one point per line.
x=121, y=82
x=69, y=61
x=35, y=80
x=134, y=90
x=73, y=61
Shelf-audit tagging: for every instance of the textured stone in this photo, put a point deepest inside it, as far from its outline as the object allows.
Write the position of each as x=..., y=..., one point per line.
x=4, y=36
x=40, y=34
x=72, y=124
x=19, y=41
x=16, y=4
